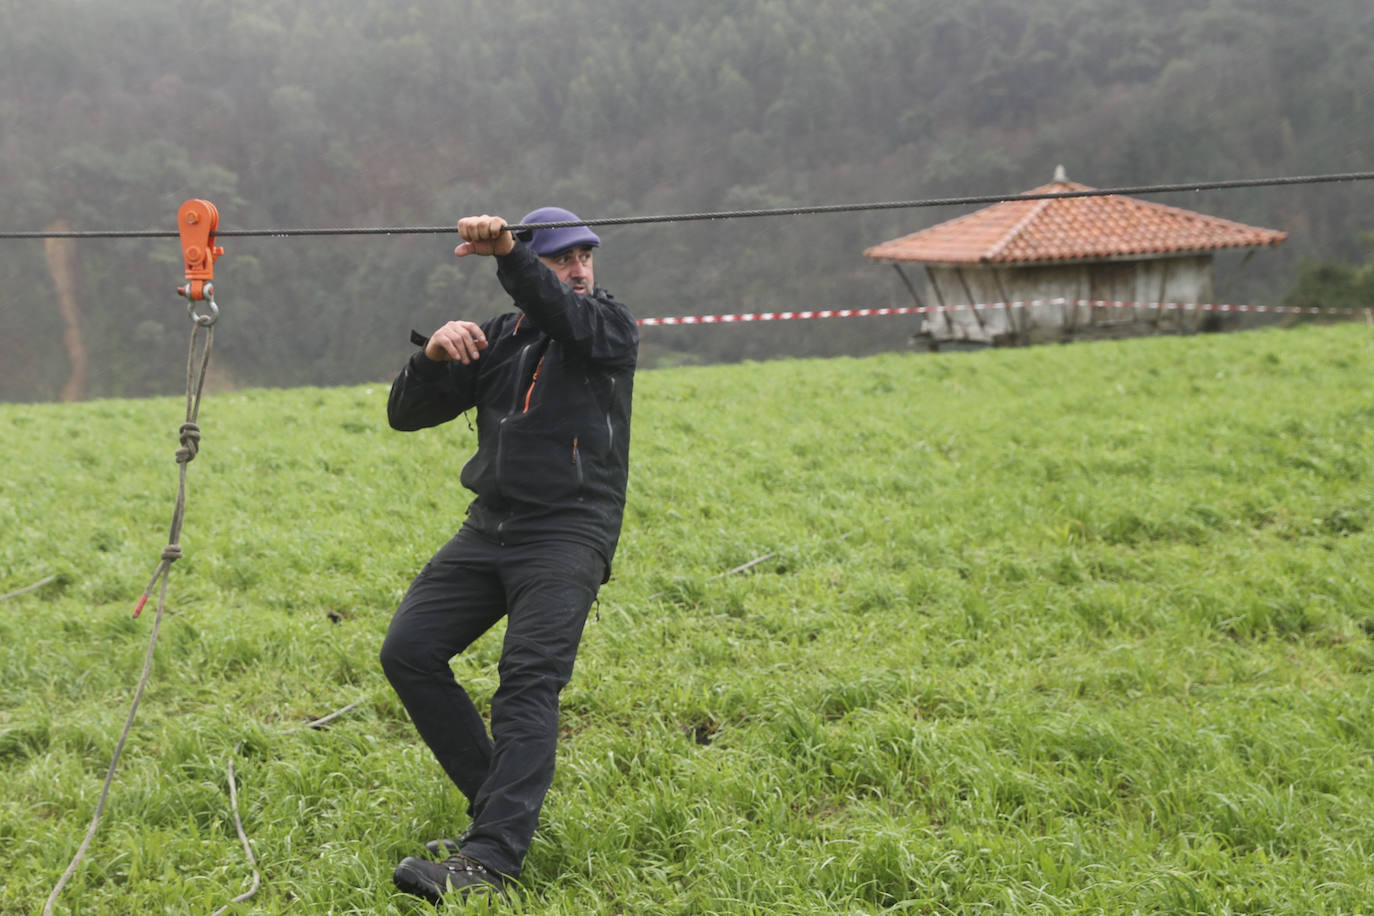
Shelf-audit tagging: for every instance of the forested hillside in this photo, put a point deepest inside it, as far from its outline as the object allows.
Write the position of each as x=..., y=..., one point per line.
x=313, y=113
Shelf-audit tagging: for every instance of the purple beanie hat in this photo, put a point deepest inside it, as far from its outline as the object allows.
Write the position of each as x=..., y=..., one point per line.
x=549, y=242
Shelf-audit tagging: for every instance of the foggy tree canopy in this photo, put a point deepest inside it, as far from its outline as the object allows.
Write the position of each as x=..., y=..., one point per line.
x=306, y=113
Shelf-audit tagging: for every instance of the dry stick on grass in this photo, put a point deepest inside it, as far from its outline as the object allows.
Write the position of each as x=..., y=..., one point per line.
x=243, y=838
x=741, y=568
x=39, y=584
x=325, y=720
x=728, y=572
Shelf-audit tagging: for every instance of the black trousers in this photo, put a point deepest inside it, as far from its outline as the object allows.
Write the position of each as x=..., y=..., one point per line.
x=545, y=591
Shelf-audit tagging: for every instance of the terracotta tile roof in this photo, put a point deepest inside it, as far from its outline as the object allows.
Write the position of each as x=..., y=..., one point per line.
x=1070, y=229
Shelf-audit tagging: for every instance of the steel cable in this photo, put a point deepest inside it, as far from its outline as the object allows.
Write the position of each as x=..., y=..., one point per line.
x=1229, y=184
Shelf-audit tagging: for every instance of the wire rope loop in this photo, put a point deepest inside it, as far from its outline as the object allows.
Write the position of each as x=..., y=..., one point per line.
x=207, y=319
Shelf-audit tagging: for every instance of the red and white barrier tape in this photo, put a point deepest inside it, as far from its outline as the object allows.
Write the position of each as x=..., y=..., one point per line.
x=984, y=306
x=782, y=316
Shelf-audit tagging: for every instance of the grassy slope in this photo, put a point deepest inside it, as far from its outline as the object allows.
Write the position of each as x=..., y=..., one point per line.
x=1068, y=629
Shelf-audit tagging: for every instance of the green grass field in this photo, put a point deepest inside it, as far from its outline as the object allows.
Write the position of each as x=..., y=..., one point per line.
x=1069, y=629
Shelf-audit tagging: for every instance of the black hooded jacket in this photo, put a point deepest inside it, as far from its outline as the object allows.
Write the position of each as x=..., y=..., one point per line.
x=552, y=391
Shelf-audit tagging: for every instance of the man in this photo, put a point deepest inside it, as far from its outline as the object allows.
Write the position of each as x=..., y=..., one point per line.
x=551, y=383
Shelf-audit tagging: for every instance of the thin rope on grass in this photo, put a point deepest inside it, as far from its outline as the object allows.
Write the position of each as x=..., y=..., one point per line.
x=29, y=588
x=238, y=821
x=243, y=838
x=114, y=761
x=1220, y=185
x=190, y=439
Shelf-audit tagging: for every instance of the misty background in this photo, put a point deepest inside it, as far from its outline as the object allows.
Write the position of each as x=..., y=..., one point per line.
x=306, y=113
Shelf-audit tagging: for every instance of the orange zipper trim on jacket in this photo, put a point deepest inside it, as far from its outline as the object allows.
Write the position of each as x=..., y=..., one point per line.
x=529, y=393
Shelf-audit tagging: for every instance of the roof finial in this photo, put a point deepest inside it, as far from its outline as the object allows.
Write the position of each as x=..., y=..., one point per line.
x=1060, y=174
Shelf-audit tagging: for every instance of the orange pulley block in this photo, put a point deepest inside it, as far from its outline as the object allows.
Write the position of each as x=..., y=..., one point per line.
x=198, y=221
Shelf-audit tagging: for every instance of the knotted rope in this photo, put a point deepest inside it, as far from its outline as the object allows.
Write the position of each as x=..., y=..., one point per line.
x=197, y=363
x=189, y=434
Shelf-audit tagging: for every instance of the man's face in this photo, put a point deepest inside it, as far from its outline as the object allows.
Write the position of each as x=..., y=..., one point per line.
x=574, y=268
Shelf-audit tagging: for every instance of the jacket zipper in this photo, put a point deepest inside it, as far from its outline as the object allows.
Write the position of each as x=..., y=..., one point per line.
x=610, y=427
x=577, y=465
x=530, y=391
x=501, y=436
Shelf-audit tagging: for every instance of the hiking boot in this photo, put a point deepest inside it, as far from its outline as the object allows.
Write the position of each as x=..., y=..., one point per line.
x=458, y=875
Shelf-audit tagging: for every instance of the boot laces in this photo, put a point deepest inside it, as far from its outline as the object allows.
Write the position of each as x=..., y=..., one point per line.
x=460, y=862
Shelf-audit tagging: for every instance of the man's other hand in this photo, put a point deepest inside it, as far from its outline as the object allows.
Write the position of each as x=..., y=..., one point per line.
x=460, y=340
